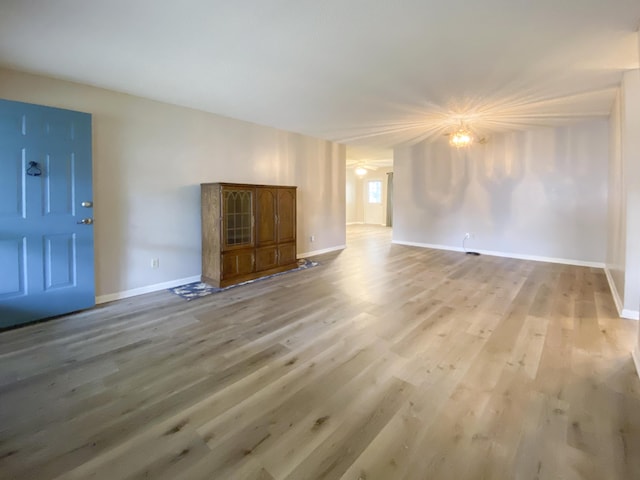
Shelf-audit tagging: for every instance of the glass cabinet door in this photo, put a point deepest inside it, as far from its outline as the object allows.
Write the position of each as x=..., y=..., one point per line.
x=237, y=218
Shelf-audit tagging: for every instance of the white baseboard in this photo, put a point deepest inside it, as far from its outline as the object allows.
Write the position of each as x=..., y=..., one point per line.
x=623, y=312
x=630, y=314
x=635, y=353
x=535, y=258
x=148, y=289
x=320, y=252
x=614, y=291
x=428, y=245
x=182, y=281
x=364, y=223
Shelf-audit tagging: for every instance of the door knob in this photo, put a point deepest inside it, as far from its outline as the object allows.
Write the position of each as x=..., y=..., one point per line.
x=86, y=221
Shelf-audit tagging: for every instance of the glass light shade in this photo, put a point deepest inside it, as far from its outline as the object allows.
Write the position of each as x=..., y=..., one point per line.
x=361, y=171
x=461, y=138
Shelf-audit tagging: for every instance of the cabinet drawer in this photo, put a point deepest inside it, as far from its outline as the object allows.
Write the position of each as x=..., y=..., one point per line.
x=266, y=258
x=237, y=262
x=287, y=254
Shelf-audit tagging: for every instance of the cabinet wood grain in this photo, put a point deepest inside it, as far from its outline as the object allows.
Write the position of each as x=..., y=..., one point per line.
x=248, y=231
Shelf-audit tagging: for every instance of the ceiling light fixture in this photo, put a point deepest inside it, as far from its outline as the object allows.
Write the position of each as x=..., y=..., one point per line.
x=461, y=138
x=361, y=171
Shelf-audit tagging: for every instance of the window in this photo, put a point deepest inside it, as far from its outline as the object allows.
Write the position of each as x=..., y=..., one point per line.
x=375, y=191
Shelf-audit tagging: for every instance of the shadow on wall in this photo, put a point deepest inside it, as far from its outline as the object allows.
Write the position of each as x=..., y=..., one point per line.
x=570, y=181
x=440, y=175
x=565, y=169
x=500, y=167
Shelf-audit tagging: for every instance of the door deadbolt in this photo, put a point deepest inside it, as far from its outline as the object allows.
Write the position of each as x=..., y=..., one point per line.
x=87, y=204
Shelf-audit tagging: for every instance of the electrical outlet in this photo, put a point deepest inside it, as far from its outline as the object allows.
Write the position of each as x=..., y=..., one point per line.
x=312, y=238
x=155, y=263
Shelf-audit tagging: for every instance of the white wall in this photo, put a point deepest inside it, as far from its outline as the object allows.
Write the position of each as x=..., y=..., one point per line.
x=617, y=212
x=355, y=213
x=623, y=247
x=630, y=148
x=636, y=350
x=149, y=159
x=535, y=194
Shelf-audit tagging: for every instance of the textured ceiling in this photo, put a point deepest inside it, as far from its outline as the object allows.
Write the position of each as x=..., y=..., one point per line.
x=364, y=72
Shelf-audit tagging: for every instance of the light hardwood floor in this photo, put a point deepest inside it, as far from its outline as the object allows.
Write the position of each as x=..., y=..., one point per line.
x=384, y=362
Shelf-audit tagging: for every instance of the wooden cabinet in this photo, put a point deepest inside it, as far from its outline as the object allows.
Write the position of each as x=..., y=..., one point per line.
x=248, y=231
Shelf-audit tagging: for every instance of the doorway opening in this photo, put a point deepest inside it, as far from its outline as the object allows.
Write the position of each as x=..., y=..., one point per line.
x=369, y=186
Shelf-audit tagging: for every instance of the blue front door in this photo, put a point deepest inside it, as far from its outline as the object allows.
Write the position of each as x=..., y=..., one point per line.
x=46, y=213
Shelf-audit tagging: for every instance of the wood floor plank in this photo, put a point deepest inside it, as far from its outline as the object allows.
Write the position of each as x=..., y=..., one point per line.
x=383, y=362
